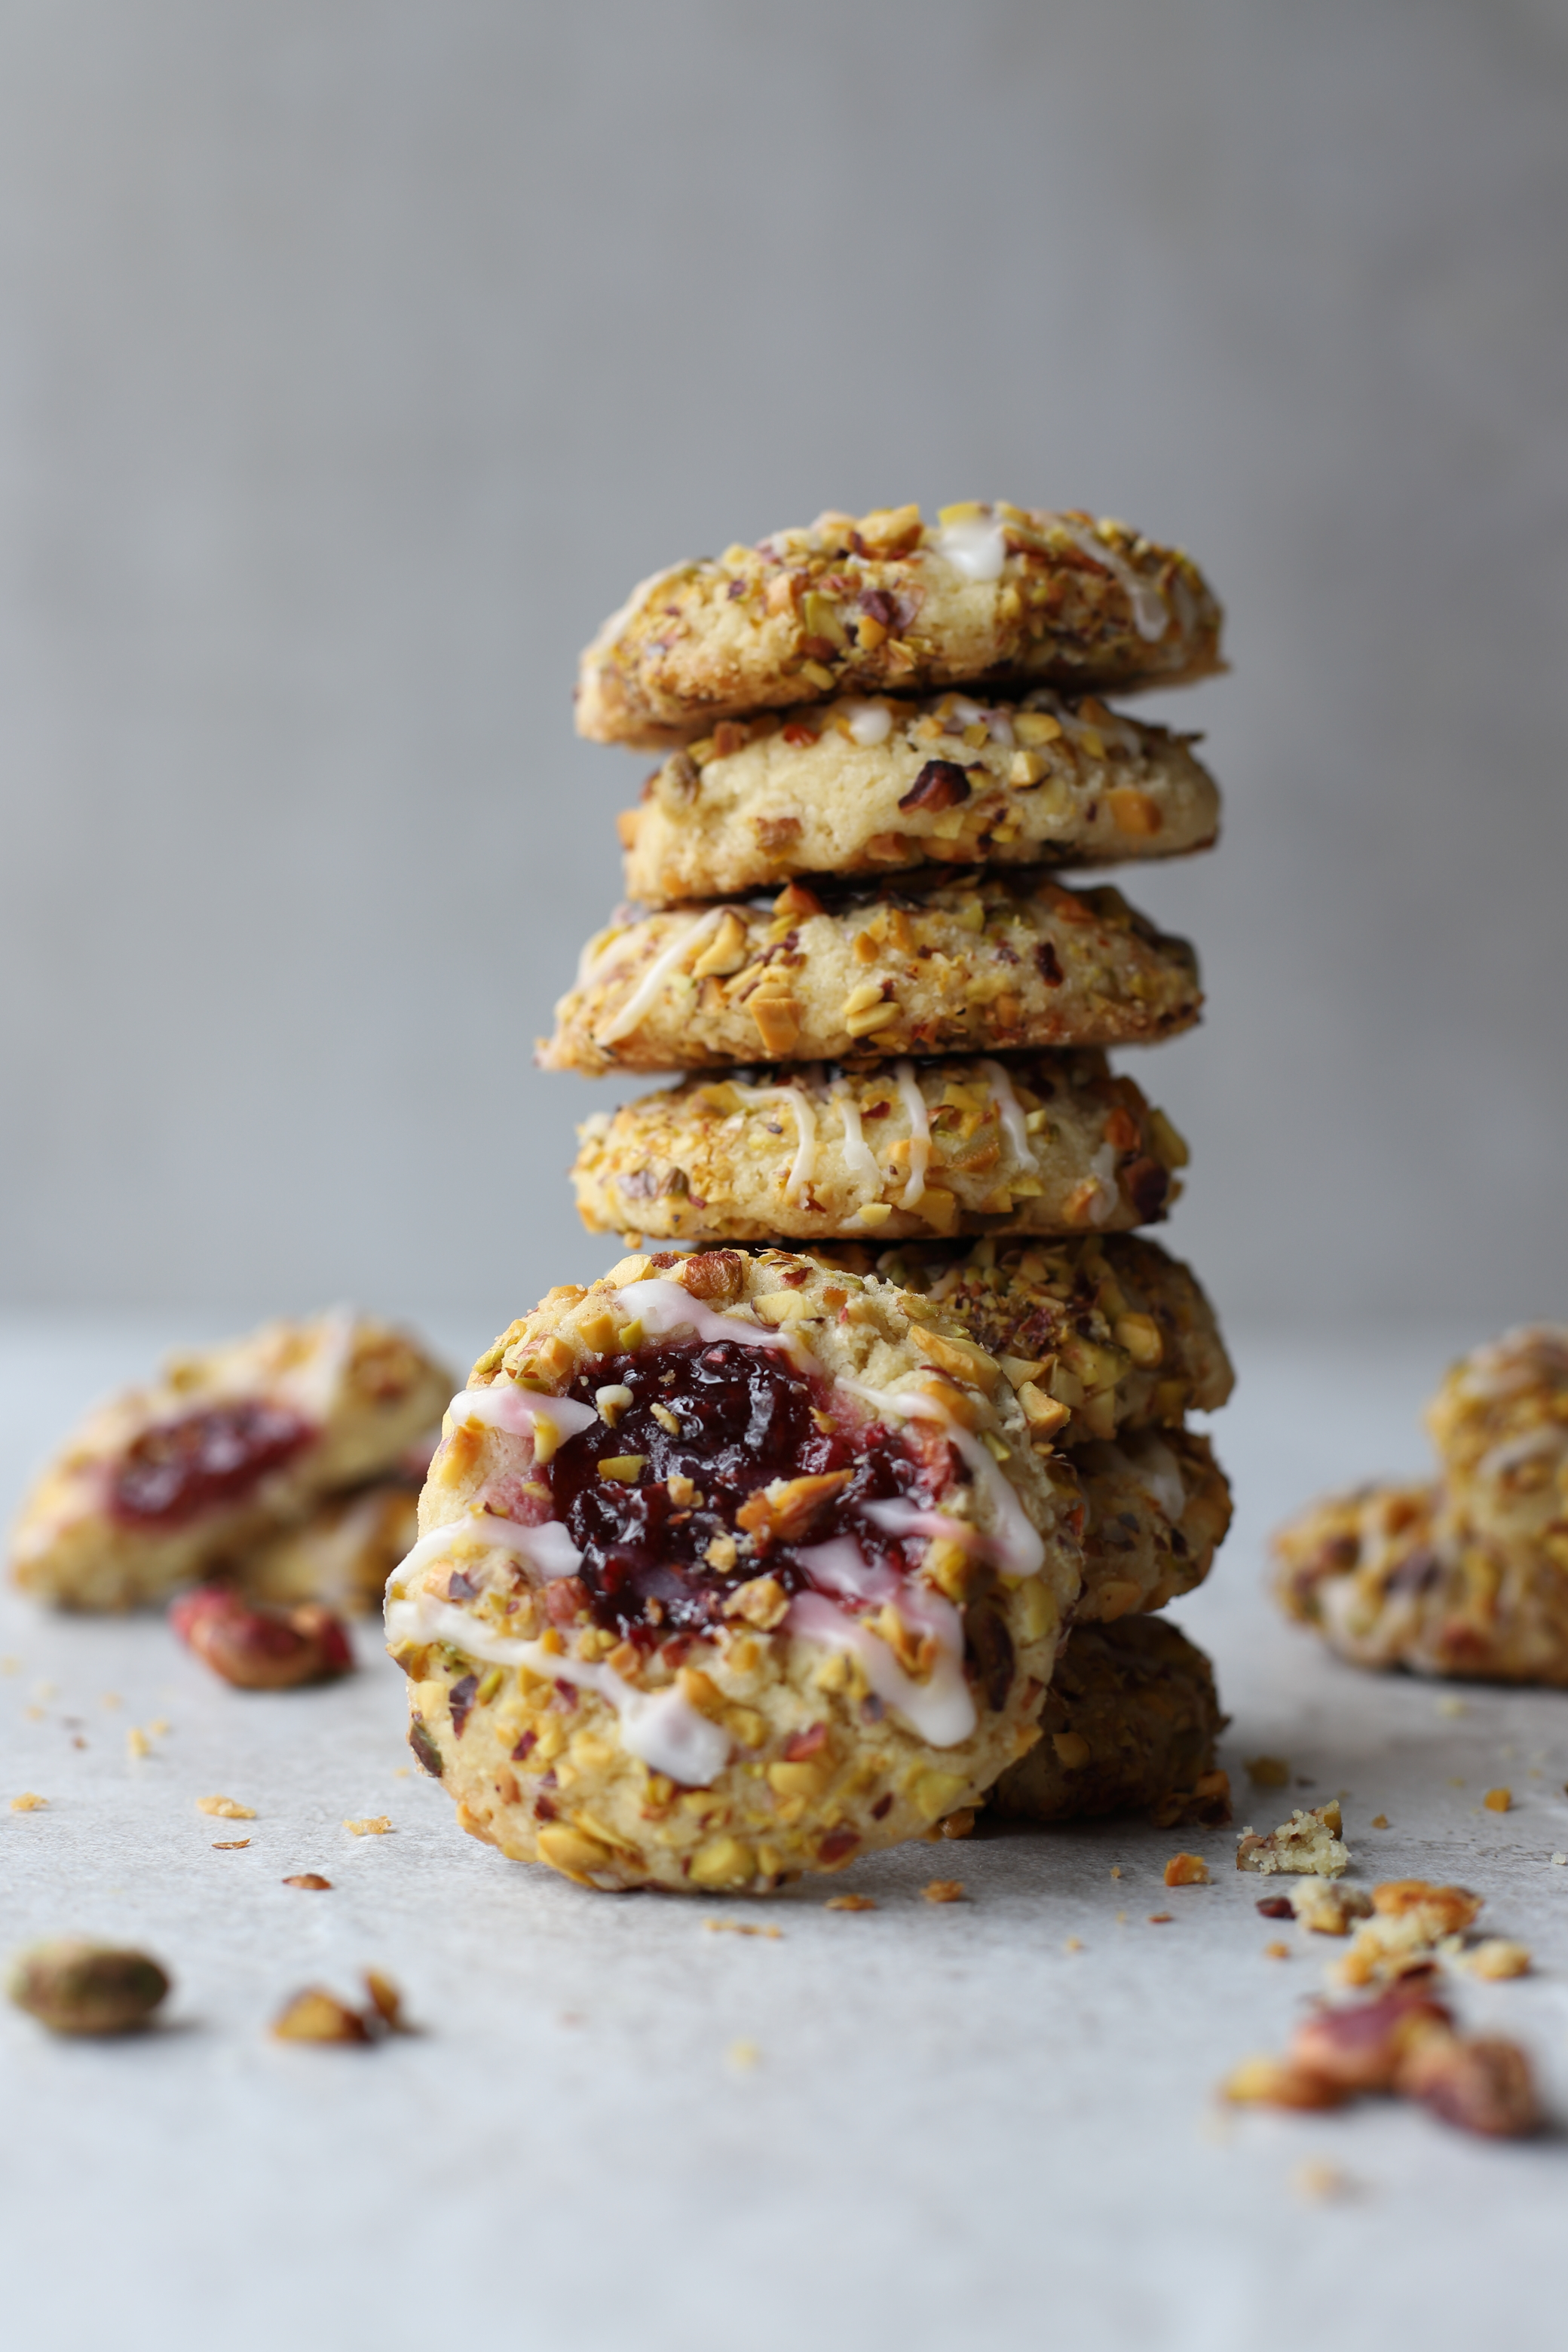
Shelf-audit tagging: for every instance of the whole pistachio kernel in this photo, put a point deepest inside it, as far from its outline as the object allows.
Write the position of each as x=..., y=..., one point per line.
x=75, y=1987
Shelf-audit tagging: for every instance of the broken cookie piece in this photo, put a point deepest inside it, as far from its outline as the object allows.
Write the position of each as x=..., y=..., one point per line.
x=1307, y=1843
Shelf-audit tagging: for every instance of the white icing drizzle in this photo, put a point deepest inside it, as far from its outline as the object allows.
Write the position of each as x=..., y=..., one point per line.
x=1151, y=614
x=1154, y=1468
x=803, y=1112
x=546, y=1547
x=869, y=723
x=940, y=1709
x=1011, y=1116
x=1103, y=1167
x=506, y=1406
x=898, y=1517
x=659, y=1727
x=1019, y=1545
x=915, y=1110
x=976, y=546
x=858, y=1158
x=688, y=936
x=662, y=1307
x=840, y=1566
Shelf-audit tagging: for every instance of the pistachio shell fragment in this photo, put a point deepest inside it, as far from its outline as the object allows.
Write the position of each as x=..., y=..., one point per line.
x=76, y=1987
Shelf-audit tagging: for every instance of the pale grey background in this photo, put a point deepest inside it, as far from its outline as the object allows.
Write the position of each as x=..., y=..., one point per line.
x=355, y=359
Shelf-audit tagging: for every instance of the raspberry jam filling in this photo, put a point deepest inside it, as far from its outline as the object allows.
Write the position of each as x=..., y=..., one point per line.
x=205, y=1462
x=742, y=1417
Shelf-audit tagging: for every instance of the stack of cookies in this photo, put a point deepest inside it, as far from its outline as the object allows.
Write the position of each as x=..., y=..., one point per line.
x=883, y=741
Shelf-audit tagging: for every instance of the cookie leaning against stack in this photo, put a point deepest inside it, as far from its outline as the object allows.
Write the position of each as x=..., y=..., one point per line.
x=749, y=1562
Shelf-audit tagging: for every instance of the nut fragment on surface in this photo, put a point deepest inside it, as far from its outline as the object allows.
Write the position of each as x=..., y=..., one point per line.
x=377, y=1825
x=850, y=1902
x=1268, y=1772
x=29, y=1801
x=75, y=1987
x=256, y=1648
x=1327, y=1910
x=1186, y=1870
x=312, y=1879
x=1411, y=1920
x=1308, y=1842
x=315, y=2015
x=225, y=1809
x=1480, y=2083
x=944, y=1890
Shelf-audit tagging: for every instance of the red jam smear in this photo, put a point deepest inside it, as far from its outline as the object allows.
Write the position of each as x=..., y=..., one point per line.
x=746, y=1417
x=205, y=1462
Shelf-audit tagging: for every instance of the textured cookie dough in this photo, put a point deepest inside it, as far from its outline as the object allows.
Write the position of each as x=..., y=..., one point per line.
x=1158, y=1511
x=873, y=787
x=341, y=1556
x=1468, y=1575
x=970, y=967
x=230, y=1445
x=1500, y=1422
x=884, y=602
x=1050, y=1143
x=1128, y=1725
x=1389, y=1577
x=1309, y=1843
x=1109, y=1333
x=731, y=1567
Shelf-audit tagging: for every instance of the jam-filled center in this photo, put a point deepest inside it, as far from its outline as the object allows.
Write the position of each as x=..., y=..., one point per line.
x=655, y=1494
x=205, y=1461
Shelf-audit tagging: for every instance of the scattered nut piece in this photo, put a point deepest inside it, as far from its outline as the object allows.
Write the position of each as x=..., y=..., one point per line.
x=1274, y=2083
x=256, y=1648
x=225, y=1807
x=1073, y=1944
x=1498, y=1801
x=317, y=2016
x=741, y=1927
x=1277, y=1907
x=1480, y=2083
x=1268, y=1772
x=74, y=1987
x=1161, y=1919
x=137, y=1743
x=377, y=1825
x=1276, y=1951
x=1320, y=2182
x=1362, y=2045
x=850, y=1902
x=29, y=1801
x=1328, y=1910
x=944, y=1890
x=310, y=1878
x=1186, y=1870
x=1412, y=1919
x=1495, y=1956
x=1380, y=1821
x=1308, y=1842
x=230, y=1846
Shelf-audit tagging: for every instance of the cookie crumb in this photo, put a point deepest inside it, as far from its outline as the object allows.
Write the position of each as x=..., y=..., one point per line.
x=1116, y=1870
x=226, y=1808
x=1309, y=1843
x=1380, y=1821
x=230, y=1846
x=1073, y=1944
x=1320, y=2182
x=1497, y=1957
x=1498, y=1801
x=850, y=1902
x=1561, y=1861
x=29, y=1801
x=1186, y=1870
x=1276, y=1951
x=1268, y=1772
x=1325, y=1909
x=137, y=1742
x=944, y=1890
x=376, y=1825
x=741, y=1927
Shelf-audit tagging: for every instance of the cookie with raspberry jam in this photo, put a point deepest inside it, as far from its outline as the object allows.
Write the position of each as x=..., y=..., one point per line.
x=886, y=602
x=341, y=1554
x=731, y=1567
x=1044, y=1143
x=975, y=966
x=1128, y=1725
x=229, y=1447
x=875, y=786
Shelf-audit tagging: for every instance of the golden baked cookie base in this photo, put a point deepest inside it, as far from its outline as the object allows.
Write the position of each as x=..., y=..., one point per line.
x=976, y=966
x=1046, y=1144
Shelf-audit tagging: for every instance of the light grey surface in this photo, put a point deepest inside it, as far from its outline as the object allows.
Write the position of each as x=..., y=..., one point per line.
x=355, y=359
x=955, y=2131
